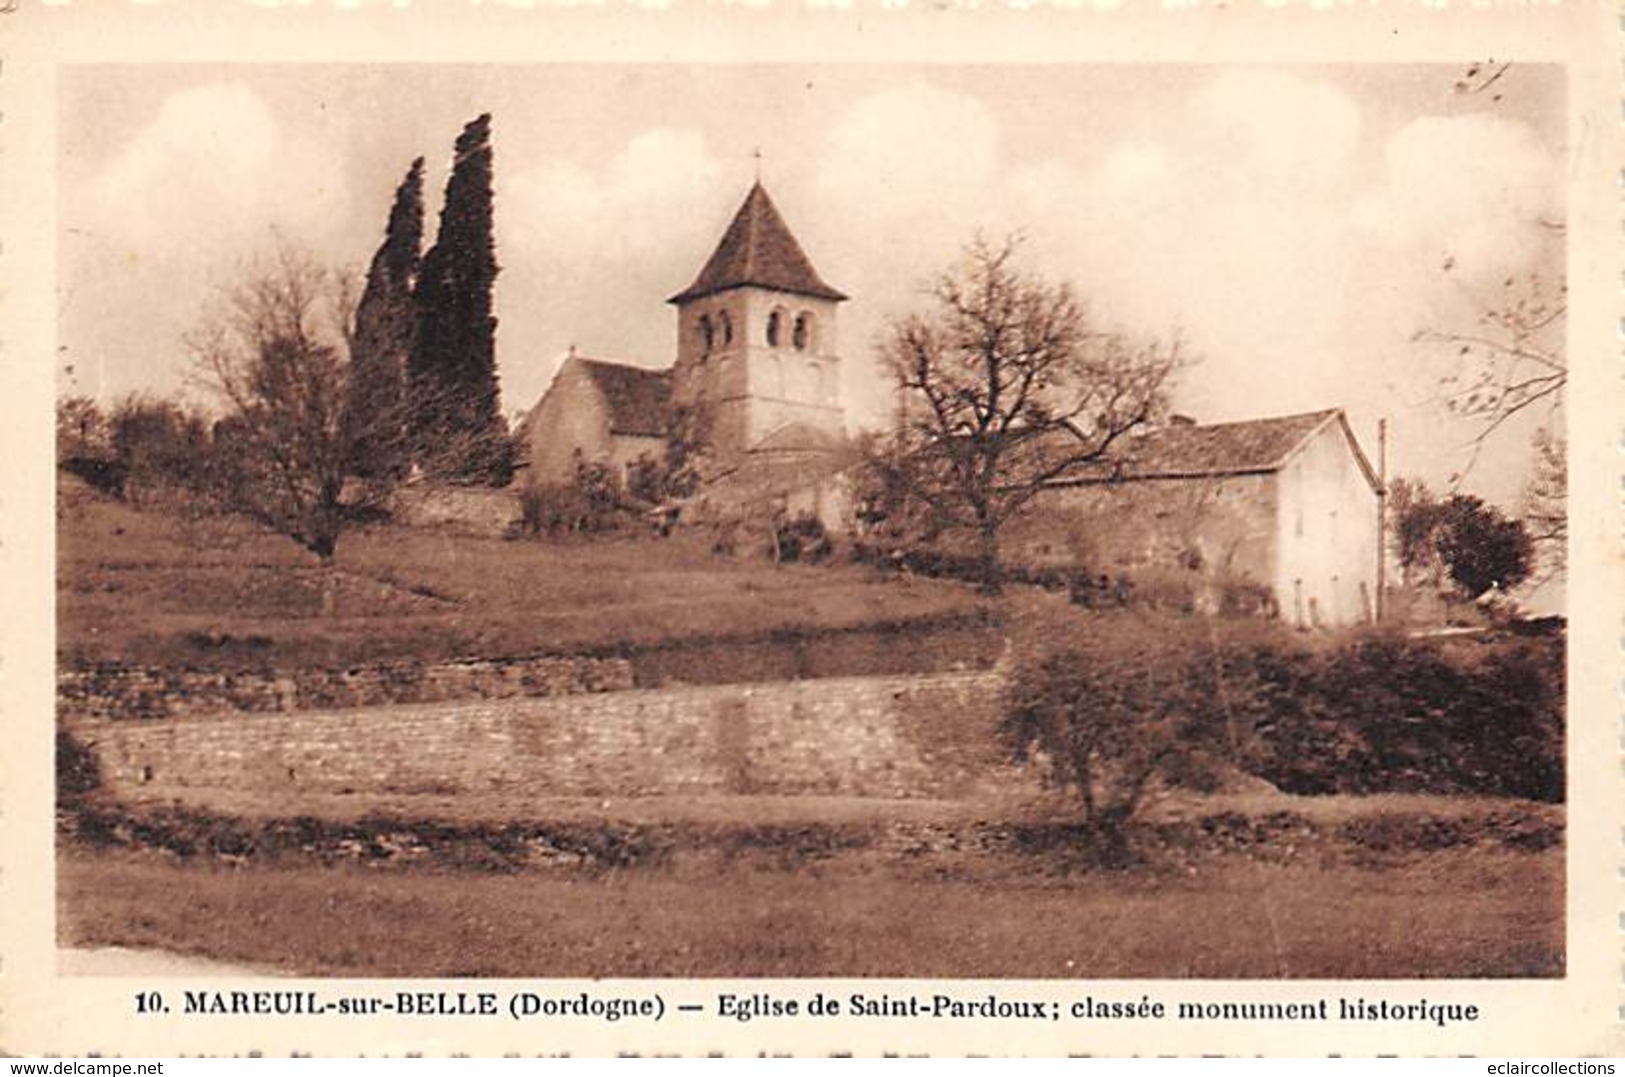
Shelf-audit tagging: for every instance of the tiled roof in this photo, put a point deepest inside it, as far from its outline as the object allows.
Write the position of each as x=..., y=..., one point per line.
x=639, y=400
x=758, y=249
x=1191, y=451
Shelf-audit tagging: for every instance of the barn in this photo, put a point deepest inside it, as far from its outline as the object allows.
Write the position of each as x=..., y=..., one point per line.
x=1282, y=510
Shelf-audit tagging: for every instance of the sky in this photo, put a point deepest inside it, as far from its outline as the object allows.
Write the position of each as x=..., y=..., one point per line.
x=1292, y=226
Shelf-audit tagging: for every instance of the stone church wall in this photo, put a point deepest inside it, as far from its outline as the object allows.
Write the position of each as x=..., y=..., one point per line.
x=916, y=736
x=571, y=415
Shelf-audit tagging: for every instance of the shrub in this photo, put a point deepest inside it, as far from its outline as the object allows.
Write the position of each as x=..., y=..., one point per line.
x=1387, y=714
x=801, y=538
x=158, y=448
x=77, y=774
x=593, y=502
x=1114, y=717
x=1246, y=598
x=84, y=445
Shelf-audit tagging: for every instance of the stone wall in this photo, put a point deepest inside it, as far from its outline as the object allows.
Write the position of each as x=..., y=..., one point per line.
x=470, y=509
x=1196, y=536
x=118, y=692
x=864, y=736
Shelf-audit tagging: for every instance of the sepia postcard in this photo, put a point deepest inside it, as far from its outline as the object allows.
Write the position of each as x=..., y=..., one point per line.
x=811, y=528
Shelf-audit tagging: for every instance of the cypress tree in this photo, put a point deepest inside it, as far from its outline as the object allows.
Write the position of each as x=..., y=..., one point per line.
x=453, y=372
x=385, y=329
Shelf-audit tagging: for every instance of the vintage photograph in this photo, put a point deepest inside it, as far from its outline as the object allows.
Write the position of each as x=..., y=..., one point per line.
x=800, y=520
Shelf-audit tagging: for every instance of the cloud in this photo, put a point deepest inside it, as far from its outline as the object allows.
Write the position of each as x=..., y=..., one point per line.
x=639, y=203
x=1277, y=126
x=182, y=204
x=1471, y=189
x=628, y=227
x=215, y=159
x=904, y=154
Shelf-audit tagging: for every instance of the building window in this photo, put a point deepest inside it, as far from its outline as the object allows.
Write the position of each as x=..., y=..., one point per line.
x=725, y=327
x=775, y=322
x=801, y=336
x=707, y=334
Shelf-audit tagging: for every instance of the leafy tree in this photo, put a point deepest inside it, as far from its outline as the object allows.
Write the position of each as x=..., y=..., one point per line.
x=1127, y=711
x=1482, y=548
x=84, y=444
x=1461, y=537
x=453, y=368
x=1416, y=513
x=385, y=328
x=1005, y=387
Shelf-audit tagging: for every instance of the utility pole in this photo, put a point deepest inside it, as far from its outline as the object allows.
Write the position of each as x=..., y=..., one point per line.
x=1382, y=517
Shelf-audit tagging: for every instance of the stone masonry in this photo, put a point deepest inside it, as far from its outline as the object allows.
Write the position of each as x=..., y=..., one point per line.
x=910, y=736
x=118, y=692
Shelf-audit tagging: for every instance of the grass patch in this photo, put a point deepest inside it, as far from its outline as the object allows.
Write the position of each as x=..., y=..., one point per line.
x=141, y=588
x=1450, y=914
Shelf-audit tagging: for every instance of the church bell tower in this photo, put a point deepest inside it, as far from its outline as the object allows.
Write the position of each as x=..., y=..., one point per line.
x=756, y=344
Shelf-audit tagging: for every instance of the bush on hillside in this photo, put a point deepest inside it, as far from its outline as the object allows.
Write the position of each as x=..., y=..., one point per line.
x=159, y=449
x=593, y=502
x=1153, y=701
x=1387, y=714
x=1127, y=712
x=77, y=774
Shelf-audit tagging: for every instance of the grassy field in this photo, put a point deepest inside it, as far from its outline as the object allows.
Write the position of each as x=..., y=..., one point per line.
x=1468, y=913
x=1247, y=884
x=1252, y=884
x=145, y=587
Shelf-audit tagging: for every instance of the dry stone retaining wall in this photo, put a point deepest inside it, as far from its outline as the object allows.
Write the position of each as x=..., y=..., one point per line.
x=929, y=735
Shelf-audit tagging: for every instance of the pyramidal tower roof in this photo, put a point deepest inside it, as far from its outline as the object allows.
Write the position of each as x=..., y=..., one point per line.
x=758, y=249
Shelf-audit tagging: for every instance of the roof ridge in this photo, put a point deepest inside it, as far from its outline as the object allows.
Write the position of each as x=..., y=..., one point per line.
x=1319, y=412
x=620, y=364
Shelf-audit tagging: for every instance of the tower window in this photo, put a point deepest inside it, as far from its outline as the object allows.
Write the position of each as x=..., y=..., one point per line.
x=725, y=327
x=707, y=334
x=801, y=336
x=774, y=328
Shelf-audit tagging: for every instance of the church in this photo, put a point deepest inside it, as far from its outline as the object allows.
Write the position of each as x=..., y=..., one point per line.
x=1287, y=506
x=756, y=356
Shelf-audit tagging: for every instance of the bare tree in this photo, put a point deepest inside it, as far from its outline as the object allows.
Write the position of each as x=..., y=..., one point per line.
x=276, y=354
x=1513, y=363
x=1546, y=502
x=1004, y=388
x=1513, y=360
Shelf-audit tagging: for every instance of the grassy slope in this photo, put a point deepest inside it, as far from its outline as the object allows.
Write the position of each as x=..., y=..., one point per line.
x=1458, y=913
x=154, y=588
